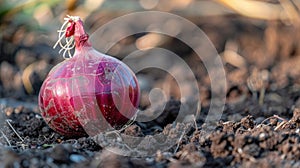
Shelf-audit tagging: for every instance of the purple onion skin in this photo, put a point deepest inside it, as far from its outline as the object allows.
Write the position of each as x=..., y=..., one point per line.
x=88, y=94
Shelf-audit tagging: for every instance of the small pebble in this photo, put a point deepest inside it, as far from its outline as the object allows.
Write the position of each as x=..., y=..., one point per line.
x=262, y=136
x=18, y=109
x=77, y=158
x=60, y=153
x=9, y=111
x=68, y=147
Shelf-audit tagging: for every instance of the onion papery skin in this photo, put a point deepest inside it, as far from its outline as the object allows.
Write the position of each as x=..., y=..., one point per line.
x=88, y=94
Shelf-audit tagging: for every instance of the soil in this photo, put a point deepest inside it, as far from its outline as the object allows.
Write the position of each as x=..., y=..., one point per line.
x=260, y=125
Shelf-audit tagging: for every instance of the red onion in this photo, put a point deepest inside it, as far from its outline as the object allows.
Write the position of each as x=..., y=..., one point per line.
x=90, y=92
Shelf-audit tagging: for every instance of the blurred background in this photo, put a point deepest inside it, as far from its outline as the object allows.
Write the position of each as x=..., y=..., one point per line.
x=256, y=39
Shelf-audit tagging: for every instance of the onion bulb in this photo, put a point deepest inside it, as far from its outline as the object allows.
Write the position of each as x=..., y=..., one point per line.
x=89, y=92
